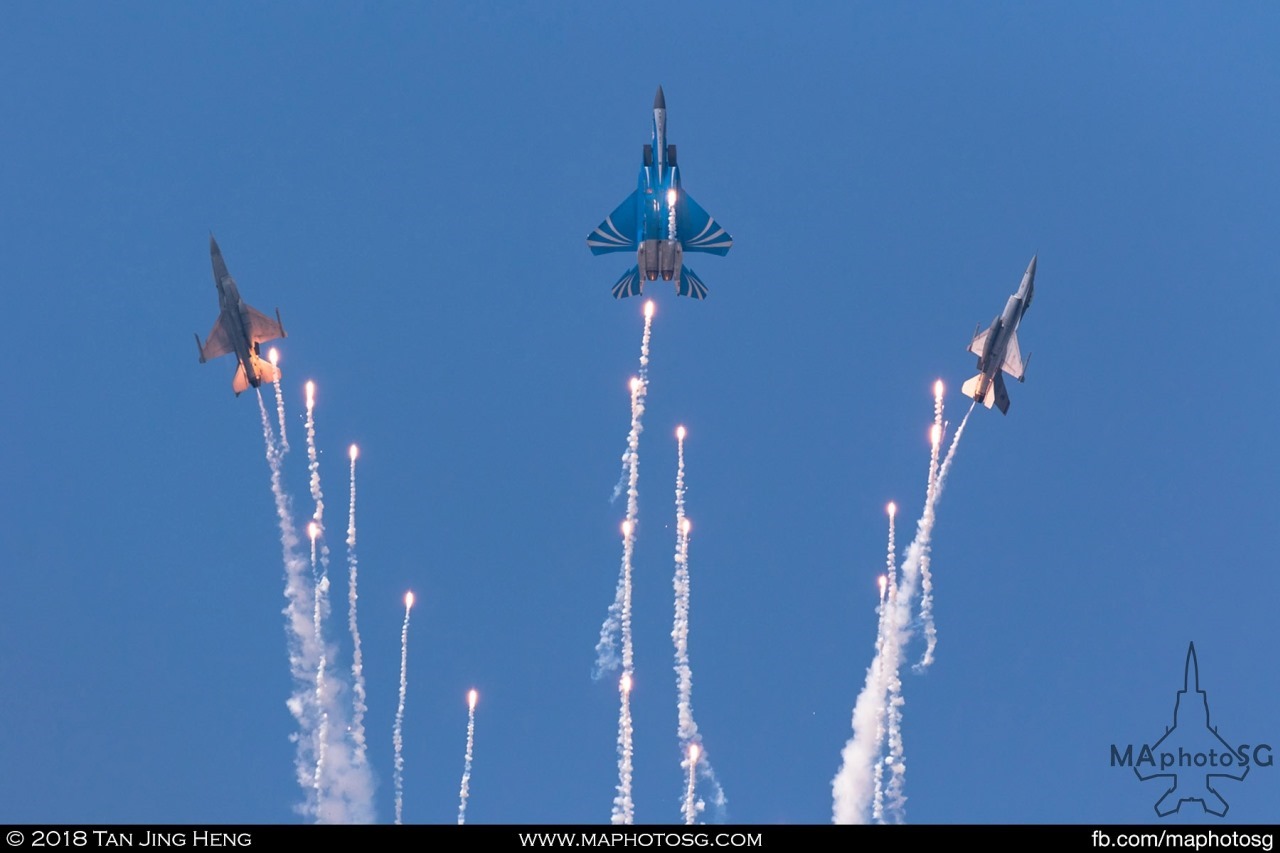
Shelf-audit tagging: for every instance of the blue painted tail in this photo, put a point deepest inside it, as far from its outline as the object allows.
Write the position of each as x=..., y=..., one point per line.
x=629, y=285
x=691, y=285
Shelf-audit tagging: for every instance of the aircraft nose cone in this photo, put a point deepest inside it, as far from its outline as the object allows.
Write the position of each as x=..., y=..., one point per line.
x=659, y=102
x=1031, y=268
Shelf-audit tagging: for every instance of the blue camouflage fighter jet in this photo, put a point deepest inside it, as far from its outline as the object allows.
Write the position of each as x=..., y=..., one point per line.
x=659, y=222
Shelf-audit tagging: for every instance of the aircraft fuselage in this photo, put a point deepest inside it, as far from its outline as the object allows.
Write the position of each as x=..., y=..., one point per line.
x=237, y=326
x=659, y=254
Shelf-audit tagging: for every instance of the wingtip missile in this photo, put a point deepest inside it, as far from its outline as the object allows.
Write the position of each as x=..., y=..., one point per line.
x=199, y=346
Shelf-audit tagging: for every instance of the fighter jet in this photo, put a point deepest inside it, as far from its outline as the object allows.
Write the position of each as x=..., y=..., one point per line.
x=239, y=329
x=997, y=348
x=659, y=222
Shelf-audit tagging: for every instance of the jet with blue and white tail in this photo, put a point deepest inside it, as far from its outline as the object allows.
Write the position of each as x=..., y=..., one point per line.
x=659, y=222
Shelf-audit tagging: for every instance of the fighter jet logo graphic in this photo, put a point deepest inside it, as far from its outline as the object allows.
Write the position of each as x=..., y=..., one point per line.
x=1194, y=749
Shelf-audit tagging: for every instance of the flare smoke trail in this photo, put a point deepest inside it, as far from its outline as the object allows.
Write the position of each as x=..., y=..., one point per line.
x=397, y=735
x=644, y=380
x=691, y=759
x=951, y=451
x=623, y=807
x=300, y=632
x=321, y=600
x=466, y=766
x=322, y=731
x=618, y=619
x=687, y=728
x=345, y=793
x=926, y=577
x=931, y=633
x=853, y=785
x=357, y=657
x=274, y=356
x=888, y=589
x=619, y=616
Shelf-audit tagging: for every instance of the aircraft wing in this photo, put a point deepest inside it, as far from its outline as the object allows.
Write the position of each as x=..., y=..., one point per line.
x=218, y=343
x=1013, y=363
x=697, y=231
x=979, y=341
x=618, y=231
x=260, y=326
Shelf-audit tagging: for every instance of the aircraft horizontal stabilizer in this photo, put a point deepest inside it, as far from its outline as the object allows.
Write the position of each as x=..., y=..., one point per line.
x=970, y=386
x=691, y=285
x=999, y=393
x=241, y=381
x=629, y=285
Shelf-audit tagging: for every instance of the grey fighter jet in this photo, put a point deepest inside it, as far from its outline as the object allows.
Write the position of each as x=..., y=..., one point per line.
x=997, y=348
x=239, y=329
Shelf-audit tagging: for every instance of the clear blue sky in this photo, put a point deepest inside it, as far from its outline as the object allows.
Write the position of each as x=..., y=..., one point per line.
x=412, y=185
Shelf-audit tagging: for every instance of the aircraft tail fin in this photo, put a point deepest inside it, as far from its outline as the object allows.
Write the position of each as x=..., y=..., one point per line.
x=629, y=285
x=691, y=285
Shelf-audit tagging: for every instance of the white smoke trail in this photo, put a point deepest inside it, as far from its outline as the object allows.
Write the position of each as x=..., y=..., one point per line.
x=619, y=616
x=320, y=610
x=687, y=728
x=298, y=628
x=926, y=603
x=926, y=577
x=951, y=451
x=317, y=495
x=397, y=734
x=853, y=785
x=618, y=619
x=623, y=807
x=464, y=791
x=644, y=382
x=690, y=806
x=274, y=357
x=322, y=731
x=344, y=794
x=357, y=657
x=888, y=589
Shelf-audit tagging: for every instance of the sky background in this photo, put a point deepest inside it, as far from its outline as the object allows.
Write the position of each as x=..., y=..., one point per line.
x=412, y=186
